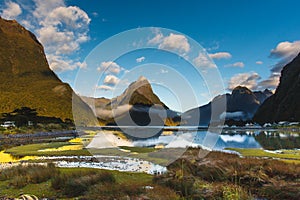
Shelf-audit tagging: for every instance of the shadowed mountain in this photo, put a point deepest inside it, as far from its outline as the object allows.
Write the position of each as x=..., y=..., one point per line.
x=284, y=105
x=137, y=105
x=241, y=105
x=27, y=81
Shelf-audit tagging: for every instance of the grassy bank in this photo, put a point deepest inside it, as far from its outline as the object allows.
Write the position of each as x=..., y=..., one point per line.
x=227, y=176
x=72, y=148
x=41, y=150
x=292, y=156
x=215, y=176
x=69, y=183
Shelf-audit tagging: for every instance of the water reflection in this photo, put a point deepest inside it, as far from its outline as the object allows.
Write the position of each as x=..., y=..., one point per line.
x=270, y=140
x=278, y=140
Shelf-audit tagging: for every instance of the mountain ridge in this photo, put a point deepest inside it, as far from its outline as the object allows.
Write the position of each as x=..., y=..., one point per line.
x=27, y=80
x=241, y=105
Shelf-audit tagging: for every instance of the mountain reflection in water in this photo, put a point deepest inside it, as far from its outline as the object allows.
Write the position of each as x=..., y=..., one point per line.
x=270, y=140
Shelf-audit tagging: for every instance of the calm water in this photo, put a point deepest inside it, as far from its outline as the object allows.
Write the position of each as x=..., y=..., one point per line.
x=270, y=140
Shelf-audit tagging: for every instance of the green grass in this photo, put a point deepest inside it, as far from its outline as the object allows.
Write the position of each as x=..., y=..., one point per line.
x=41, y=190
x=33, y=150
x=44, y=189
x=121, y=177
x=139, y=149
x=286, y=155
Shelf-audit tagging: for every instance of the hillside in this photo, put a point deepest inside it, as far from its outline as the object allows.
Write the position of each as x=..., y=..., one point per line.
x=26, y=79
x=284, y=105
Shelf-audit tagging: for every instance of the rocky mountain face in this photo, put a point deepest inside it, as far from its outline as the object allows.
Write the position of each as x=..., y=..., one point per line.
x=138, y=93
x=27, y=81
x=284, y=105
x=137, y=105
x=241, y=104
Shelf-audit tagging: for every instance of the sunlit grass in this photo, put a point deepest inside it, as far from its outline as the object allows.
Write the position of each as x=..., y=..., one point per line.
x=39, y=150
x=6, y=158
x=284, y=155
x=76, y=140
x=63, y=148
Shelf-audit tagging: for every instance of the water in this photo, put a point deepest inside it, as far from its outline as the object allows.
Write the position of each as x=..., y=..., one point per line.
x=237, y=138
x=266, y=139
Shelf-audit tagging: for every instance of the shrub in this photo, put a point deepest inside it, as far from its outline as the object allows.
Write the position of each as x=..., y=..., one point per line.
x=19, y=176
x=77, y=183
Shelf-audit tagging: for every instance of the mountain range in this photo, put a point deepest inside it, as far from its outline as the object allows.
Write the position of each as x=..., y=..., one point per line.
x=27, y=80
x=241, y=105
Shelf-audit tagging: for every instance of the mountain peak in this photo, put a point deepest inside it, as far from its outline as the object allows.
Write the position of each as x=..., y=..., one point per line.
x=267, y=92
x=241, y=90
x=142, y=78
x=138, y=93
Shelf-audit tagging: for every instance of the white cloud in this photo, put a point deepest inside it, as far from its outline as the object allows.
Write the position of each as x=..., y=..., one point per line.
x=111, y=80
x=286, y=49
x=11, y=11
x=203, y=61
x=71, y=16
x=157, y=39
x=43, y=8
x=259, y=62
x=95, y=14
x=141, y=59
x=237, y=64
x=27, y=24
x=104, y=87
x=59, y=64
x=270, y=83
x=63, y=30
x=60, y=28
x=172, y=42
x=286, y=52
x=109, y=67
x=175, y=42
x=248, y=80
x=81, y=65
x=164, y=71
x=104, y=113
x=214, y=46
x=220, y=55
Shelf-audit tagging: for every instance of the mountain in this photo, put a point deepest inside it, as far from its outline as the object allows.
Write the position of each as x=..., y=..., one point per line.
x=241, y=104
x=284, y=105
x=138, y=93
x=137, y=105
x=27, y=81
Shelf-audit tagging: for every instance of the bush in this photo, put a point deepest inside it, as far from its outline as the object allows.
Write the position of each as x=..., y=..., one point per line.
x=77, y=183
x=115, y=191
x=19, y=176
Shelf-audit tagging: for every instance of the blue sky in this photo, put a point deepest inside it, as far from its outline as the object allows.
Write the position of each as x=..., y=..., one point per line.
x=249, y=41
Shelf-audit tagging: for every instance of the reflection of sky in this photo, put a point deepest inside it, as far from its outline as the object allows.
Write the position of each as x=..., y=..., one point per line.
x=201, y=138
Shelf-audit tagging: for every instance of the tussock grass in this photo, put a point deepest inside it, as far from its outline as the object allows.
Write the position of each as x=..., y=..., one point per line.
x=20, y=176
x=227, y=176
